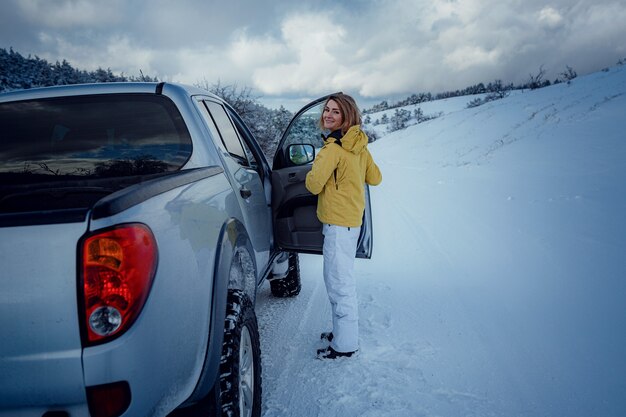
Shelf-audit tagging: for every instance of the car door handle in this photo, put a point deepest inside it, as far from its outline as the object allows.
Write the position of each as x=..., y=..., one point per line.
x=292, y=177
x=245, y=193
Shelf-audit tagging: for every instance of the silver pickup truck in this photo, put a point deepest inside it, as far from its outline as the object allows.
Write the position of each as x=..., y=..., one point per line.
x=137, y=221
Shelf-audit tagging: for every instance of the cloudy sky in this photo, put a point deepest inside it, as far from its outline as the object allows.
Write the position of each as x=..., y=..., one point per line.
x=290, y=51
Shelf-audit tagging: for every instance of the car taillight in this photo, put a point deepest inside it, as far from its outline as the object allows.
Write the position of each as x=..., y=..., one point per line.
x=118, y=266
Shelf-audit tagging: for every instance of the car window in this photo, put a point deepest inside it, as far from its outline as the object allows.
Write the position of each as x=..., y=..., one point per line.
x=305, y=128
x=93, y=136
x=227, y=132
x=246, y=139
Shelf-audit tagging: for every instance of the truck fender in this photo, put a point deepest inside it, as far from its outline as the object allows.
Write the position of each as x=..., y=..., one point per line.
x=233, y=245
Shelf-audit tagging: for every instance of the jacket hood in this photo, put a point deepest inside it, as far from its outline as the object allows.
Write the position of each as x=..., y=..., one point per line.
x=353, y=141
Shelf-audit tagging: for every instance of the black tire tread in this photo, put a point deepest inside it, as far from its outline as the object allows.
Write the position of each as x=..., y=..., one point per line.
x=239, y=312
x=291, y=285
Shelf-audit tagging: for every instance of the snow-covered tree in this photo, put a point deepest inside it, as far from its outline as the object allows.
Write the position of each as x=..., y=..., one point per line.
x=419, y=115
x=568, y=75
x=265, y=124
x=399, y=120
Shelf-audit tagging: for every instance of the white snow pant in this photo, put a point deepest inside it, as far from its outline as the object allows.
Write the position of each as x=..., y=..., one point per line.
x=339, y=253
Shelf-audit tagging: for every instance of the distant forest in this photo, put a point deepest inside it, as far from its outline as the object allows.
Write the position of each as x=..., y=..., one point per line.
x=495, y=89
x=18, y=72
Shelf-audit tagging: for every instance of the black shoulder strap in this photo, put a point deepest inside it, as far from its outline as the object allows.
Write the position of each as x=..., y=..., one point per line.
x=335, y=134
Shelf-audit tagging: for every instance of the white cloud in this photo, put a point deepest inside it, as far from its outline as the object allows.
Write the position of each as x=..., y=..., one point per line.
x=389, y=51
x=373, y=49
x=311, y=41
x=403, y=46
x=195, y=65
x=470, y=56
x=118, y=53
x=130, y=58
x=550, y=16
x=248, y=52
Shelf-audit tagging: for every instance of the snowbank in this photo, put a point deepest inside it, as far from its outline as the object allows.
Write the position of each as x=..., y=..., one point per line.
x=498, y=282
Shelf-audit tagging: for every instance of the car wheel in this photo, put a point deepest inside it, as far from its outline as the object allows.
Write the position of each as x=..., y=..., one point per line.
x=240, y=365
x=291, y=285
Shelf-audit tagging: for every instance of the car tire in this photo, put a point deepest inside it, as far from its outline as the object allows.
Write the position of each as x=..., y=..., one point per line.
x=291, y=285
x=240, y=365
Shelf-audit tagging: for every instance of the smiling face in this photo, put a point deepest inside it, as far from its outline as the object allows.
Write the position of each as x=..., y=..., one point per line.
x=332, y=117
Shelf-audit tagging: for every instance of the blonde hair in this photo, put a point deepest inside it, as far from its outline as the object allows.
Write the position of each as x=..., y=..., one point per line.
x=349, y=111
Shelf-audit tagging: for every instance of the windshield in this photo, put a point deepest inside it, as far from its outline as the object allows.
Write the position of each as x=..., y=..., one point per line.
x=92, y=136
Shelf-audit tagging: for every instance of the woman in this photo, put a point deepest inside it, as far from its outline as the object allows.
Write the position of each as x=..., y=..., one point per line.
x=339, y=174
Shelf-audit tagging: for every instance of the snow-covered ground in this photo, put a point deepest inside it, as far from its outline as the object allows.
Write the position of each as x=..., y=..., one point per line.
x=498, y=281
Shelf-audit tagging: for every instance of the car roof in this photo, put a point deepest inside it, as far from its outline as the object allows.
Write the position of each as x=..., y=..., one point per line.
x=104, y=88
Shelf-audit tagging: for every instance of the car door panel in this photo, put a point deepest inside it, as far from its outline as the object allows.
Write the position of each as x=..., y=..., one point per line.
x=242, y=173
x=294, y=208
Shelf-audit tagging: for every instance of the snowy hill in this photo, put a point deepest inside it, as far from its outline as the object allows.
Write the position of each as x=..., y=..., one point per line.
x=498, y=282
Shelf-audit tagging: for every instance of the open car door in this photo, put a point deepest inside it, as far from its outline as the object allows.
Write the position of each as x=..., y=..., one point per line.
x=294, y=208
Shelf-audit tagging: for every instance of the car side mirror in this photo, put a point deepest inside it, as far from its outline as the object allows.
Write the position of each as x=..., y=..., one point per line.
x=300, y=153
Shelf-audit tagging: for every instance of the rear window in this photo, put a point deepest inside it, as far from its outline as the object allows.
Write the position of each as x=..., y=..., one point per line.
x=93, y=136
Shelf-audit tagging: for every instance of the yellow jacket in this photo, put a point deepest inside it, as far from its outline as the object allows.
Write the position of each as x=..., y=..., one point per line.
x=341, y=198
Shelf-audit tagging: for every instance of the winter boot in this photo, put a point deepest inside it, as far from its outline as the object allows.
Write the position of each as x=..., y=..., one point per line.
x=330, y=353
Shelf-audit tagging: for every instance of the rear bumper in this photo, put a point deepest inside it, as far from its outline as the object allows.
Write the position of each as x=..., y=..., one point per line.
x=76, y=410
x=52, y=387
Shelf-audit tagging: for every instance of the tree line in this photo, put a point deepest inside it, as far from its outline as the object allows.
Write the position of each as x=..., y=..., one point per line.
x=494, y=90
x=18, y=72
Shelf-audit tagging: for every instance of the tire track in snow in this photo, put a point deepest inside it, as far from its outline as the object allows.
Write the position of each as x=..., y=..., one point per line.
x=289, y=331
x=295, y=383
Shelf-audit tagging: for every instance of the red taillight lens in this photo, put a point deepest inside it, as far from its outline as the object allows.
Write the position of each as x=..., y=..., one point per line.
x=118, y=266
